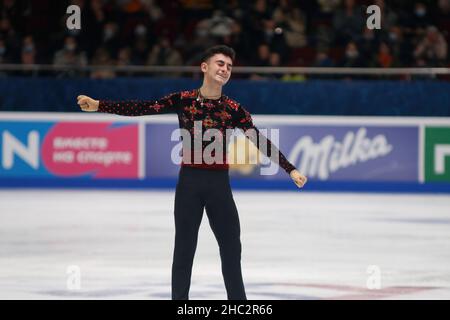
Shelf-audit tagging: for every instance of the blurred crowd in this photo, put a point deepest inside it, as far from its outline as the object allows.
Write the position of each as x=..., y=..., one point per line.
x=320, y=33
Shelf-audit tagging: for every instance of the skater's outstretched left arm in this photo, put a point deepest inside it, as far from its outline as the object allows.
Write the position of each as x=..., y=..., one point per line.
x=243, y=121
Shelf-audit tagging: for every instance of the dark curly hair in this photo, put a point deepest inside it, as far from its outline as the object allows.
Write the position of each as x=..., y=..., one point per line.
x=225, y=50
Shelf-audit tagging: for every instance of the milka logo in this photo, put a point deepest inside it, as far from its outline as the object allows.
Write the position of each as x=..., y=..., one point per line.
x=329, y=155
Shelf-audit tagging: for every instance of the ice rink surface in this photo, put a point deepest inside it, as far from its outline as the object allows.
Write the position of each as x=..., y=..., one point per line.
x=90, y=244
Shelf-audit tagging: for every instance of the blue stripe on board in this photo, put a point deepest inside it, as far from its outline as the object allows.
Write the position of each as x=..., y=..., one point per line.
x=247, y=184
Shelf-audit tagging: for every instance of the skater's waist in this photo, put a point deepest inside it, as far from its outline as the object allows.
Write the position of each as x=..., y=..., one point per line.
x=213, y=166
x=201, y=160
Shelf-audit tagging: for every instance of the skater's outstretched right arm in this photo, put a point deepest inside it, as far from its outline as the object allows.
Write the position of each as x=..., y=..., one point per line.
x=166, y=104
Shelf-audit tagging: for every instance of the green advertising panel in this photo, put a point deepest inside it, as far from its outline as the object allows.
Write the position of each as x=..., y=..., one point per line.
x=437, y=154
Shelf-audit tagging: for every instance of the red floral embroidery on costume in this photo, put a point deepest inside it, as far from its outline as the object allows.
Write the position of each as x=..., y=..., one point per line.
x=223, y=115
x=193, y=109
x=157, y=107
x=208, y=105
x=232, y=104
x=189, y=94
x=209, y=123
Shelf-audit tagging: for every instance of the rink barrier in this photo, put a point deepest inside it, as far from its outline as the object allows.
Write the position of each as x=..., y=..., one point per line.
x=350, y=154
x=422, y=98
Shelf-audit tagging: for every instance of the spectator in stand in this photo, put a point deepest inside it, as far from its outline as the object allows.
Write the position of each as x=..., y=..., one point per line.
x=153, y=10
x=368, y=43
x=102, y=58
x=28, y=50
x=400, y=47
x=293, y=23
x=263, y=55
x=12, y=40
x=328, y=7
x=124, y=57
x=124, y=60
x=140, y=49
x=274, y=61
x=28, y=55
x=218, y=26
x=275, y=37
x=4, y=56
x=163, y=54
x=348, y=22
x=384, y=58
x=110, y=39
x=70, y=55
x=4, y=53
x=322, y=60
x=253, y=26
x=432, y=49
x=92, y=20
x=421, y=18
x=262, y=59
x=352, y=58
x=388, y=17
x=13, y=11
x=442, y=18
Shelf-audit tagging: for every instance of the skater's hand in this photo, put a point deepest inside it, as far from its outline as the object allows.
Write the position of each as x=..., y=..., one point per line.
x=87, y=103
x=298, y=178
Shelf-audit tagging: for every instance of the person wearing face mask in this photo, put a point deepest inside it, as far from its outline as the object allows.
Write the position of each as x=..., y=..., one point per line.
x=4, y=54
x=204, y=184
x=352, y=58
x=110, y=39
x=421, y=18
x=69, y=55
x=141, y=45
x=401, y=48
x=367, y=43
x=28, y=54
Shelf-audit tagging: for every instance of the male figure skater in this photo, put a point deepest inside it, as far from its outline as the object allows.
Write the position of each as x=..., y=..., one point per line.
x=202, y=184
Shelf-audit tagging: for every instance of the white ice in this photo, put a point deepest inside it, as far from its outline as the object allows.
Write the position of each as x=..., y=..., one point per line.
x=296, y=245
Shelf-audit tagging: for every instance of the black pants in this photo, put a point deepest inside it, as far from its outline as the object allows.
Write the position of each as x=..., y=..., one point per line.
x=198, y=189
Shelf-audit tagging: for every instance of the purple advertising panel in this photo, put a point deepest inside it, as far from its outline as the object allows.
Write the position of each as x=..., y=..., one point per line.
x=352, y=153
x=321, y=152
x=158, y=149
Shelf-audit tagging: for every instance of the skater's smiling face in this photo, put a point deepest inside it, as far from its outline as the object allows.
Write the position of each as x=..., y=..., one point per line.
x=217, y=69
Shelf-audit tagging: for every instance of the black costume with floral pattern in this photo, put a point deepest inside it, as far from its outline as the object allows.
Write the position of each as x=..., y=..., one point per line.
x=221, y=114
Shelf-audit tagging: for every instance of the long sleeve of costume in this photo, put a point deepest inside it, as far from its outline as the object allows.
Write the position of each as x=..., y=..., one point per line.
x=244, y=122
x=167, y=104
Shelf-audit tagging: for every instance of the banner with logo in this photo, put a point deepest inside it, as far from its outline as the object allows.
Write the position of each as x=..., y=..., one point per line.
x=335, y=153
x=54, y=149
x=321, y=152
